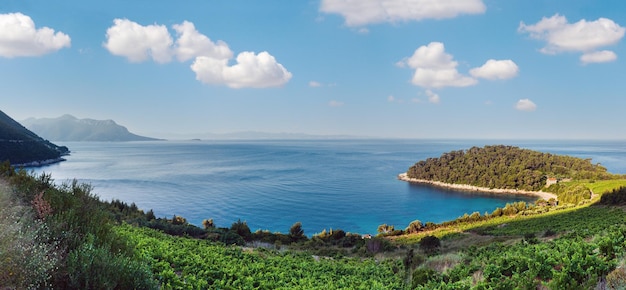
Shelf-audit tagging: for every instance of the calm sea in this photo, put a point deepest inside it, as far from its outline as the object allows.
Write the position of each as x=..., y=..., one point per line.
x=346, y=184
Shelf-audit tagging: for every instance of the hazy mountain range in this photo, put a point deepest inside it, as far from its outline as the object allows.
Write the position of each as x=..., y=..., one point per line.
x=21, y=146
x=255, y=135
x=70, y=128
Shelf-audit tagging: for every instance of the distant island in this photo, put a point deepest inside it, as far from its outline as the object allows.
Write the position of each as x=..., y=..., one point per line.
x=70, y=128
x=501, y=168
x=22, y=147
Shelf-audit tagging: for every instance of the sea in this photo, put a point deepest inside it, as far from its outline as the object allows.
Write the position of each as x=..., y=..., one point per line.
x=271, y=184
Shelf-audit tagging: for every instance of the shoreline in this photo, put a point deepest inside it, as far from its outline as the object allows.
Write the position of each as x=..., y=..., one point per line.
x=466, y=187
x=39, y=163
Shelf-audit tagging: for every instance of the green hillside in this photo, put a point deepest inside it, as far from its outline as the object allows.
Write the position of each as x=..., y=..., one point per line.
x=505, y=167
x=18, y=145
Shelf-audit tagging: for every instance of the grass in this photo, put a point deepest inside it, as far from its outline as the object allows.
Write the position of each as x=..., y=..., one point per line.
x=587, y=217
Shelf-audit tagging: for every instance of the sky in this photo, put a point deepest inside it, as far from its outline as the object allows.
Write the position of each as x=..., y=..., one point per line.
x=483, y=69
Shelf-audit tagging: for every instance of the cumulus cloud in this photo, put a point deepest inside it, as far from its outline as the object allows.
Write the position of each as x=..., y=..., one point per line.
x=137, y=42
x=582, y=36
x=363, y=12
x=251, y=70
x=19, y=37
x=496, y=69
x=211, y=59
x=525, y=105
x=191, y=44
x=432, y=97
x=434, y=68
x=598, y=57
x=391, y=98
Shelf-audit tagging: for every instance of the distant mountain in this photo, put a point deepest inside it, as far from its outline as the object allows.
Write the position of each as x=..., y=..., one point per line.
x=254, y=135
x=23, y=147
x=70, y=128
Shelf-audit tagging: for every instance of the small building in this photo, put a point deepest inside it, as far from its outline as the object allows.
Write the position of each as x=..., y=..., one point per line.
x=551, y=181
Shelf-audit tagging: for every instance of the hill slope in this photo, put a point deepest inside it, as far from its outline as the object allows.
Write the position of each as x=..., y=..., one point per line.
x=69, y=128
x=505, y=167
x=21, y=146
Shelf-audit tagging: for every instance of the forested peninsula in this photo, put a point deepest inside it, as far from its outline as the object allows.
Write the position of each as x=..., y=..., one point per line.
x=505, y=168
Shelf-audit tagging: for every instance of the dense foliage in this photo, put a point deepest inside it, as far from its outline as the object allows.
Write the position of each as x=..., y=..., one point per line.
x=580, y=249
x=504, y=167
x=615, y=197
x=62, y=238
x=184, y=263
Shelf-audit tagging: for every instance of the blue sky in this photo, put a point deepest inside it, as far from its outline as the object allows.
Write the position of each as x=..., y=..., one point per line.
x=389, y=68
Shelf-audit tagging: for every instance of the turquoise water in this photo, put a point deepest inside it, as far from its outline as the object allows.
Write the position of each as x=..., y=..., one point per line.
x=347, y=184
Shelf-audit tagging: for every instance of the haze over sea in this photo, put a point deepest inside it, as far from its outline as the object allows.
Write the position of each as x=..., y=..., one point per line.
x=346, y=184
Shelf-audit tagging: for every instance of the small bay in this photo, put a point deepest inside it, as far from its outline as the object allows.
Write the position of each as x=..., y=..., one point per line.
x=270, y=184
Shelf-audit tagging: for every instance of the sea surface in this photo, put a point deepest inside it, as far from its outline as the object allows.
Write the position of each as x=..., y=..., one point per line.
x=339, y=184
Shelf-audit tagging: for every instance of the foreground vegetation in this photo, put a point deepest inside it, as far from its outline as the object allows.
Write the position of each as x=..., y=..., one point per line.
x=64, y=237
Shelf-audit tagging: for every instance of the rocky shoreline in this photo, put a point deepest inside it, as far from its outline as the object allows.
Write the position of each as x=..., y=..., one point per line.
x=466, y=187
x=39, y=163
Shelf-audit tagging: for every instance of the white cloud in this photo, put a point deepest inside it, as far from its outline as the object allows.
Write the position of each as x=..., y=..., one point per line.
x=137, y=42
x=19, y=37
x=432, y=97
x=598, y=57
x=434, y=68
x=314, y=84
x=582, y=36
x=525, y=105
x=251, y=70
x=211, y=59
x=496, y=69
x=191, y=43
x=335, y=104
x=391, y=99
x=363, y=12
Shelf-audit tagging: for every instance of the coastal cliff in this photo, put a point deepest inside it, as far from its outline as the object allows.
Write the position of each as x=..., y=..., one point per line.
x=21, y=147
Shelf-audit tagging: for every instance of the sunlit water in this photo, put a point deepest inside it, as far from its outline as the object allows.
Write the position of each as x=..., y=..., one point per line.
x=347, y=184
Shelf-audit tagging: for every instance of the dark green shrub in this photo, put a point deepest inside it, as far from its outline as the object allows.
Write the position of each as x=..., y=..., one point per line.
x=242, y=229
x=421, y=276
x=296, y=233
x=94, y=267
x=430, y=244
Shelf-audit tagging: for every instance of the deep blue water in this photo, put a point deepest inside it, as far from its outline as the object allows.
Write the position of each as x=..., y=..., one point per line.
x=347, y=184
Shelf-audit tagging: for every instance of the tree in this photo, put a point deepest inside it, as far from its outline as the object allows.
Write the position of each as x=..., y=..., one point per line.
x=385, y=229
x=430, y=244
x=208, y=224
x=150, y=215
x=296, y=233
x=242, y=229
x=414, y=227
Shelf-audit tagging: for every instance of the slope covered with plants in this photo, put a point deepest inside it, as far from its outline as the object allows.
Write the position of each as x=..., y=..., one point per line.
x=504, y=167
x=18, y=145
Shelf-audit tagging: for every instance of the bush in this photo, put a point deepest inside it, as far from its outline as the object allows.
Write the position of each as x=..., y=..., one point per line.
x=421, y=276
x=93, y=267
x=414, y=227
x=242, y=229
x=296, y=233
x=616, y=279
x=28, y=259
x=430, y=244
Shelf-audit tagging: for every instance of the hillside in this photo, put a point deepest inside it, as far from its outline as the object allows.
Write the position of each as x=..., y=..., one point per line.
x=504, y=167
x=21, y=146
x=70, y=128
